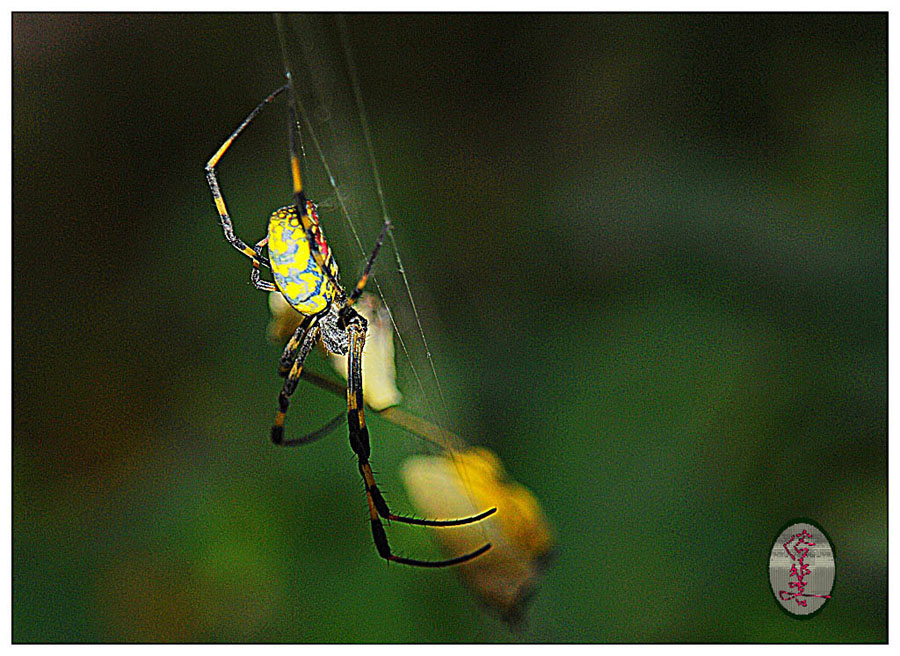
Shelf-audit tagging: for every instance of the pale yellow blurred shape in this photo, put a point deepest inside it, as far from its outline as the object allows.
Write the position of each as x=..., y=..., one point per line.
x=465, y=483
x=378, y=368
x=379, y=371
x=285, y=319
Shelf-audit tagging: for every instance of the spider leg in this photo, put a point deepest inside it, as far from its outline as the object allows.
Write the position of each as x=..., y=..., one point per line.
x=365, y=276
x=288, y=357
x=290, y=349
x=319, y=433
x=359, y=442
x=290, y=384
x=300, y=199
x=259, y=283
x=227, y=225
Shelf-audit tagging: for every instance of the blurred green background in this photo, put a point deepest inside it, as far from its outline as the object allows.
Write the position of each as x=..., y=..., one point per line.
x=650, y=254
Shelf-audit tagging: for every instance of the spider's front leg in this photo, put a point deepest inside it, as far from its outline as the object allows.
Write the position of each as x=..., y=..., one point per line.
x=359, y=442
x=219, y=199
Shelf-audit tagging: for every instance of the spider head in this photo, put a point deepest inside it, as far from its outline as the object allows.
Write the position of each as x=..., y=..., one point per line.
x=334, y=327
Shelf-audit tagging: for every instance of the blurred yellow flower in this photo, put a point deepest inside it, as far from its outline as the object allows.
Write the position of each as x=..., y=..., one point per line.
x=460, y=484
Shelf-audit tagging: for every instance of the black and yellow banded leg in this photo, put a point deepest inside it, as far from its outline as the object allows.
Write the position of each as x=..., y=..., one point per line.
x=300, y=199
x=290, y=384
x=290, y=349
x=258, y=282
x=227, y=225
x=371, y=261
x=359, y=442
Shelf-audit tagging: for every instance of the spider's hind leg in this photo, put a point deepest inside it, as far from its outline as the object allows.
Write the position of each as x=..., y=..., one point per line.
x=289, y=355
x=290, y=384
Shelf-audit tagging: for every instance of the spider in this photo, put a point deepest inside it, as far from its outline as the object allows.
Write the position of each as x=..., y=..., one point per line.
x=306, y=274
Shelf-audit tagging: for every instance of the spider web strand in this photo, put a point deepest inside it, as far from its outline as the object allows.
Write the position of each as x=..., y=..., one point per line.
x=370, y=150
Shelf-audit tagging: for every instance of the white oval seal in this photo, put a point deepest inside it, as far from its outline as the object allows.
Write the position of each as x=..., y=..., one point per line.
x=801, y=569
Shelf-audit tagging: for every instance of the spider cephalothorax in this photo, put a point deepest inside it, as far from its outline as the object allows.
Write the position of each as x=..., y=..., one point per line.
x=306, y=275
x=334, y=325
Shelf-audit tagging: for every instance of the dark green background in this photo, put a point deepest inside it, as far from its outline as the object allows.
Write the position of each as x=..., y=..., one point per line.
x=650, y=253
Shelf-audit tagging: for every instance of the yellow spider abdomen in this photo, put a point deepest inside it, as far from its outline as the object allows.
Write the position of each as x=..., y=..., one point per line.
x=297, y=274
